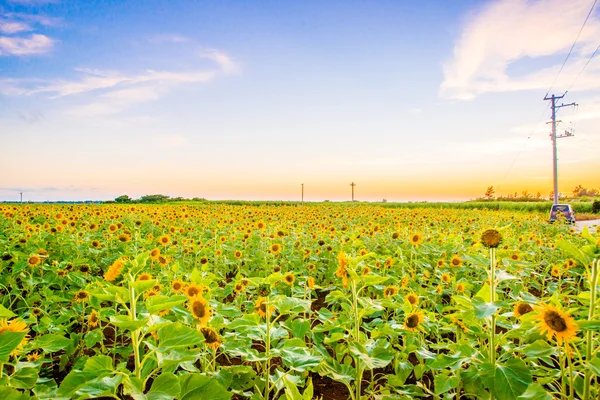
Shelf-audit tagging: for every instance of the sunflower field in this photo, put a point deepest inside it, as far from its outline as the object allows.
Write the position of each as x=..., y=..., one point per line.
x=324, y=301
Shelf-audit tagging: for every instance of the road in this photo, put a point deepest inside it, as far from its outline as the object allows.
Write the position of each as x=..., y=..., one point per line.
x=591, y=224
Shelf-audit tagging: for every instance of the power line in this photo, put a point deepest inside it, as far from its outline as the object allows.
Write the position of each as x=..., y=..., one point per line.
x=586, y=64
x=572, y=47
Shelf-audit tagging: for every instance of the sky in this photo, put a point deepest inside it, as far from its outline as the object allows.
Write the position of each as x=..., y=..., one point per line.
x=412, y=101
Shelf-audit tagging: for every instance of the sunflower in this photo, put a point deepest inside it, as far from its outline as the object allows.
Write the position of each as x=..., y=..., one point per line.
x=154, y=253
x=238, y=288
x=553, y=321
x=416, y=239
x=112, y=228
x=441, y=262
x=177, y=286
x=366, y=271
x=123, y=237
x=211, y=337
x=311, y=267
x=570, y=263
x=93, y=319
x=36, y=312
x=33, y=260
x=515, y=257
x=261, y=307
x=164, y=240
x=33, y=357
x=460, y=288
x=200, y=309
x=289, y=279
x=388, y=262
x=114, y=270
x=275, y=248
x=413, y=320
x=445, y=277
x=390, y=291
x=144, y=276
x=555, y=271
x=81, y=296
x=192, y=290
x=84, y=269
x=522, y=308
x=456, y=261
x=237, y=254
x=310, y=282
x=412, y=298
x=491, y=238
x=95, y=243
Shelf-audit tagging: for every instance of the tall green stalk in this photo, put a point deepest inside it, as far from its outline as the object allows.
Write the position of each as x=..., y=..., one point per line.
x=589, y=336
x=267, y=371
x=493, y=299
x=359, y=370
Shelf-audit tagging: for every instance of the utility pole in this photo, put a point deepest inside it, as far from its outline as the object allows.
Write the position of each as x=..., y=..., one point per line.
x=21, y=193
x=303, y=194
x=553, y=136
x=353, y=184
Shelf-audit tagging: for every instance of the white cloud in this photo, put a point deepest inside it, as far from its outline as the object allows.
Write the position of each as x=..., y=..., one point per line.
x=226, y=63
x=12, y=27
x=506, y=31
x=35, y=44
x=169, y=38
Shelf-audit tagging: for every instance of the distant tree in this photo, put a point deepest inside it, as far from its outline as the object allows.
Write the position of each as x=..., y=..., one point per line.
x=198, y=199
x=489, y=193
x=525, y=194
x=123, y=199
x=154, y=198
x=538, y=195
x=579, y=191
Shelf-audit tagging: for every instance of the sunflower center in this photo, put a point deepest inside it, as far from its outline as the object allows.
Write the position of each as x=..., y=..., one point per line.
x=412, y=321
x=524, y=309
x=199, y=309
x=555, y=321
x=210, y=336
x=193, y=291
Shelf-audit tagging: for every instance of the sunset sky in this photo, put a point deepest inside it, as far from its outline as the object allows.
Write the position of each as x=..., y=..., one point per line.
x=411, y=100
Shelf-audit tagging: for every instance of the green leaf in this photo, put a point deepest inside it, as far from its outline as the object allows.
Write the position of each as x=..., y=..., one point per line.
x=539, y=348
x=575, y=252
x=511, y=379
x=166, y=386
x=6, y=313
x=484, y=293
x=594, y=366
x=7, y=393
x=177, y=335
x=299, y=358
x=155, y=304
x=298, y=327
x=443, y=383
x=535, y=391
x=98, y=364
x=93, y=337
x=593, y=325
x=51, y=343
x=378, y=357
x=10, y=341
x=483, y=309
x=24, y=378
x=124, y=322
x=444, y=361
x=371, y=280
x=291, y=390
x=202, y=387
x=291, y=305
x=142, y=286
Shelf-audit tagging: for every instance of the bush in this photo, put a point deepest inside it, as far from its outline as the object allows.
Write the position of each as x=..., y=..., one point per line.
x=596, y=206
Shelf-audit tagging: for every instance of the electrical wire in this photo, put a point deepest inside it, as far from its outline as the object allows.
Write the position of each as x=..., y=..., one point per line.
x=586, y=64
x=572, y=47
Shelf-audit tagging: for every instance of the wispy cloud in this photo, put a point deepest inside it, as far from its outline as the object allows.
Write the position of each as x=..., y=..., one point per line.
x=18, y=46
x=227, y=64
x=169, y=141
x=11, y=27
x=32, y=116
x=506, y=31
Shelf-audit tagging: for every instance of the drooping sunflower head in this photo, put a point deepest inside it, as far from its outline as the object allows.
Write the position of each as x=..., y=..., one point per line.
x=522, y=308
x=310, y=282
x=144, y=276
x=200, y=309
x=211, y=337
x=491, y=238
x=390, y=291
x=81, y=295
x=413, y=320
x=554, y=322
x=412, y=298
x=93, y=319
x=261, y=307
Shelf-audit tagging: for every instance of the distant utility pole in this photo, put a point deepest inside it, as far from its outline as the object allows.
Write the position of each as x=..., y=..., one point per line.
x=353, y=184
x=553, y=136
x=21, y=193
x=303, y=194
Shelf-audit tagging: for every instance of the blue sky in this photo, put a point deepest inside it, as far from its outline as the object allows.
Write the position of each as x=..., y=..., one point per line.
x=245, y=100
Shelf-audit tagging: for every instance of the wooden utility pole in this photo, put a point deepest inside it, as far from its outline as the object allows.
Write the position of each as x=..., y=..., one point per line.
x=303, y=194
x=353, y=184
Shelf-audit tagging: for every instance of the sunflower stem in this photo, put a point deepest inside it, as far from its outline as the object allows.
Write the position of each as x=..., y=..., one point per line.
x=493, y=299
x=134, y=334
x=589, y=334
x=359, y=371
x=267, y=371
